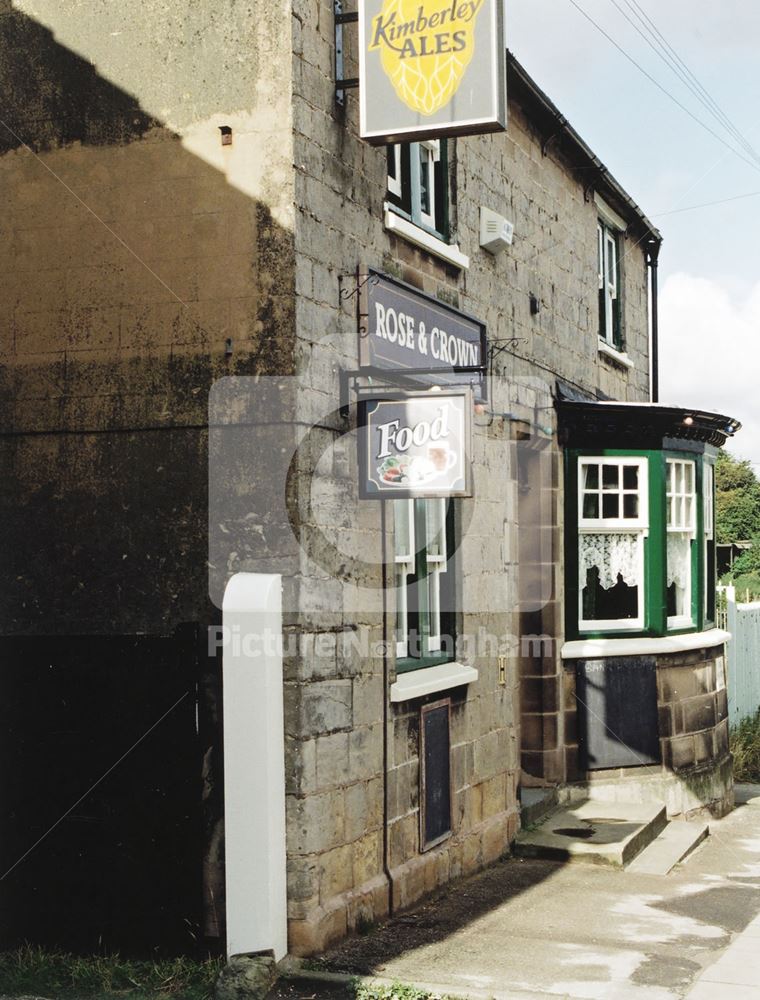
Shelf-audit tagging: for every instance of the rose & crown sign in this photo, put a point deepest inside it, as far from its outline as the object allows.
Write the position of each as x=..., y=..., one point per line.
x=415, y=444
x=431, y=67
x=407, y=330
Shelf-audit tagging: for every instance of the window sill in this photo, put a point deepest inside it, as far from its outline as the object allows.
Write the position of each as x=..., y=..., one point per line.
x=429, y=680
x=448, y=252
x=619, y=357
x=590, y=649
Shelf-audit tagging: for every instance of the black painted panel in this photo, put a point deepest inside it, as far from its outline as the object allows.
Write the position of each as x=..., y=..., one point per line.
x=436, y=774
x=617, y=712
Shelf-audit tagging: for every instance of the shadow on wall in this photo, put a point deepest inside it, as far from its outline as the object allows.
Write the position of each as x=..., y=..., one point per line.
x=128, y=263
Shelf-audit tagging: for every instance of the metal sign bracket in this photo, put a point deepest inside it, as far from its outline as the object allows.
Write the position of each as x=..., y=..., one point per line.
x=342, y=83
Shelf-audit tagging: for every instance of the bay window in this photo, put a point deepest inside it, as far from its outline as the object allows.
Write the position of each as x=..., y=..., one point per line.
x=633, y=524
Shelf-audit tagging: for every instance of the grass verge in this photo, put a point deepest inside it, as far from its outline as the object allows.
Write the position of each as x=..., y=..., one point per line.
x=745, y=747
x=39, y=972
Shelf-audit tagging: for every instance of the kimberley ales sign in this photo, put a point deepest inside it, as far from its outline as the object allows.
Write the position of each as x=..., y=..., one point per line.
x=431, y=67
x=415, y=444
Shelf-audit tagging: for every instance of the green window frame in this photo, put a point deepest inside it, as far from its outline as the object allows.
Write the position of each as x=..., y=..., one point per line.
x=674, y=507
x=424, y=546
x=418, y=184
x=610, y=285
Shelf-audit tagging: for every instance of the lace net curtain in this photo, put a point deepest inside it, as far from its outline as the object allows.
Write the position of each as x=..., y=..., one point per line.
x=613, y=554
x=679, y=559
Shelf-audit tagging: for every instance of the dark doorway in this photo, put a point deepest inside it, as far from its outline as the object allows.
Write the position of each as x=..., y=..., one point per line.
x=101, y=839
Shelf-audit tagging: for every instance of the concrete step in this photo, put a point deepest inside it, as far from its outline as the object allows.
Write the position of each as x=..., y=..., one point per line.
x=535, y=803
x=603, y=833
x=676, y=842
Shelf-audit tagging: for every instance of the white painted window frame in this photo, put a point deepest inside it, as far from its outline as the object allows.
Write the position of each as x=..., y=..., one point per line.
x=638, y=526
x=682, y=500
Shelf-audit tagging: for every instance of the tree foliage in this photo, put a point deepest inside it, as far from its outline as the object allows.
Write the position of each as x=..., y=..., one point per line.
x=737, y=500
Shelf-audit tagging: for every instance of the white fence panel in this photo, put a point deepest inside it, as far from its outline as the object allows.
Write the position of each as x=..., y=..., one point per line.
x=743, y=622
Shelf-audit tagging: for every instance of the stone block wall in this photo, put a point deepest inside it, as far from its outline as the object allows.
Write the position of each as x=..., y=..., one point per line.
x=695, y=775
x=510, y=555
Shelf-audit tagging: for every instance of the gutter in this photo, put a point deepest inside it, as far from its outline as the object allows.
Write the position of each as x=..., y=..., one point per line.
x=523, y=86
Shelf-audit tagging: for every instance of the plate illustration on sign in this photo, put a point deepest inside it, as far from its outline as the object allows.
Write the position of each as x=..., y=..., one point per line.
x=425, y=48
x=416, y=444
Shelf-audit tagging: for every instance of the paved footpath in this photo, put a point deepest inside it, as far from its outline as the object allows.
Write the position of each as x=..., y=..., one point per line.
x=525, y=929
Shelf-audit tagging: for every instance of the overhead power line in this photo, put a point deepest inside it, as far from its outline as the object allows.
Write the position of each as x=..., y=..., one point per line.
x=708, y=204
x=665, y=51
x=664, y=90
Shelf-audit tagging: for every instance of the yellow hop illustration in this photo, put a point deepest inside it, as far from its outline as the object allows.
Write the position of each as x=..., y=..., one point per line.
x=425, y=47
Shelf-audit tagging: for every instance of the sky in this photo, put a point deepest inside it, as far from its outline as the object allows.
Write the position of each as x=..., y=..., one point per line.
x=673, y=168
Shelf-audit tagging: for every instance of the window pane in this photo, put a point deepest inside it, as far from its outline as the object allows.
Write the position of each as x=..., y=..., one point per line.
x=425, y=166
x=630, y=477
x=591, y=505
x=609, y=575
x=610, y=477
x=402, y=514
x=631, y=505
x=610, y=505
x=591, y=477
x=435, y=527
x=679, y=574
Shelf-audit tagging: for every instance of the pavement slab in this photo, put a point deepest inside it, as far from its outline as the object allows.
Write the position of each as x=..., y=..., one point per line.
x=534, y=927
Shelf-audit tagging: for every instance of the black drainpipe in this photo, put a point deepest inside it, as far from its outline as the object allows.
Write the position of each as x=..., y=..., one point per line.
x=652, y=259
x=387, y=639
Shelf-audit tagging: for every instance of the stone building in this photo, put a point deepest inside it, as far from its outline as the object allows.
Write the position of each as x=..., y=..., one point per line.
x=189, y=216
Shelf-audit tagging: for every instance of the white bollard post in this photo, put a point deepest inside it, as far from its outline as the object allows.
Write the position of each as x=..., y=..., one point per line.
x=254, y=766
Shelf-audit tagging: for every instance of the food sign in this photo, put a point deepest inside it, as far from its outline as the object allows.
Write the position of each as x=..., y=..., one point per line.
x=431, y=67
x=416, y=444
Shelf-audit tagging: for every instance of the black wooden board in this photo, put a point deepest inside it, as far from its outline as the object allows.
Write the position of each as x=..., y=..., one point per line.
x=436, y=774
x=617, y=712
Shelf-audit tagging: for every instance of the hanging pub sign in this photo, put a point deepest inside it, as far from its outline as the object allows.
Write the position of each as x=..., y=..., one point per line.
x=415, y=444
x=407, y=330
x=431, y=68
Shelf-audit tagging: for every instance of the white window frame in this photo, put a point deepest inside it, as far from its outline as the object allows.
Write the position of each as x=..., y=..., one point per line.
x=677, y=501
x=394, y=183
x=436, y=566
x=638, y=527
x=406, y=548
x=608, y=275
x=427, y=152
x=404, y=560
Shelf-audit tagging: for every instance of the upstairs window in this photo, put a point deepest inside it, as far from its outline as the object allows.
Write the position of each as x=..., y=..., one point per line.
x=425, y=582
x=610, y=297
x=418, y=184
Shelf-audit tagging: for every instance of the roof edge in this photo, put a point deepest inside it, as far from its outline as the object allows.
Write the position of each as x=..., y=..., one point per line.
x=602, y=180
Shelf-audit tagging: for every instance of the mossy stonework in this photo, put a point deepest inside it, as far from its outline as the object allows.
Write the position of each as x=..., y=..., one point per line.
x=145, y=261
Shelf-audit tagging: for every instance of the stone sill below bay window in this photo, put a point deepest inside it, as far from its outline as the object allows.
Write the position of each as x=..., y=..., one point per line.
x=591, y=649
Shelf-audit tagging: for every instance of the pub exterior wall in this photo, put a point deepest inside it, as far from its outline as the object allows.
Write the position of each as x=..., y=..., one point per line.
x=339, y=876
x=108, y=357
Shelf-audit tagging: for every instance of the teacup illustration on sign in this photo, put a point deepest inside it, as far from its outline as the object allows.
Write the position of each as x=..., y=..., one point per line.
x=443, y=458
x=425, y=47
